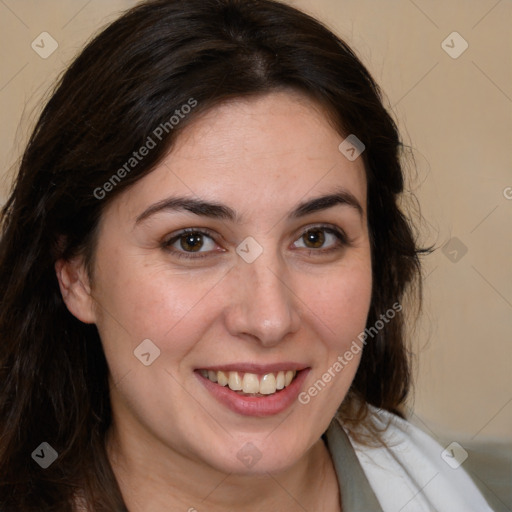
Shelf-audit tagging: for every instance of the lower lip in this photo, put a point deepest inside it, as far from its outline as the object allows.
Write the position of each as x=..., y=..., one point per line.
x=254, y=405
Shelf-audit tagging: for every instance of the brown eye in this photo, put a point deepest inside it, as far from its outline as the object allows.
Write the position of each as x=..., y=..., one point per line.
x=314, y=238
x=322, y=239
x=191, y=242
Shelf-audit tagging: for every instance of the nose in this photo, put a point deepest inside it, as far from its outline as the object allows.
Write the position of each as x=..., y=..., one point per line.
x=263, y=306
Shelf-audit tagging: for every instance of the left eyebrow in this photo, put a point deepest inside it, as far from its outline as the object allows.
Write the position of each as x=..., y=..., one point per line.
x=220, y=211
x=341, y=197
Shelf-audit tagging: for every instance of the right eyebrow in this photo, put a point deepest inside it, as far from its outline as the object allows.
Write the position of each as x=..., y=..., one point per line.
x=196, y=206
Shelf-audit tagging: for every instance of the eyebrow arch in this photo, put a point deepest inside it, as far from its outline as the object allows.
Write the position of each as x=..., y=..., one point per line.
x=216, y=210
x=340, y=197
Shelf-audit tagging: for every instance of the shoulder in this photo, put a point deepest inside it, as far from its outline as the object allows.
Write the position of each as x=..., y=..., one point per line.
x=406, y=469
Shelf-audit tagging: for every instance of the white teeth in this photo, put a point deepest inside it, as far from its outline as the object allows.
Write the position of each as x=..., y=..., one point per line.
x=251, y=383
x=222, y=379
x=268, y=384
x=280, y=380
x=235, y=382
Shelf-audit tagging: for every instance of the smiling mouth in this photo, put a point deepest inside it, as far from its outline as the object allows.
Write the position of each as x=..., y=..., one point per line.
x=251, y=384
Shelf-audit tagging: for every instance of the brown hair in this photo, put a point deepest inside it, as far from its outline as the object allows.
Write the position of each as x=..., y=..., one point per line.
x=129, y=80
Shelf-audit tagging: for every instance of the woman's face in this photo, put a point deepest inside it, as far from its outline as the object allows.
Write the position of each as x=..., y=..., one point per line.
x=270, y=279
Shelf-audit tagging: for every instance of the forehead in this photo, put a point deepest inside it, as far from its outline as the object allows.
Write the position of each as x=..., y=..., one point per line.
x=258, y=155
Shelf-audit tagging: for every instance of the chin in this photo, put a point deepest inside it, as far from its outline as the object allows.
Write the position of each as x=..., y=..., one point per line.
x=259, y=456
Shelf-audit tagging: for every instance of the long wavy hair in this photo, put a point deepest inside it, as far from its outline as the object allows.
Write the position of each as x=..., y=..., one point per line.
x=127, y=81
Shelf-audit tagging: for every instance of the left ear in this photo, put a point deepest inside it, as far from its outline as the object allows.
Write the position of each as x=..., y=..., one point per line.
x=75, y=289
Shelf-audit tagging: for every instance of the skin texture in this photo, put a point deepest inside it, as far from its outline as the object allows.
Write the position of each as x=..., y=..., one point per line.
x=172, y=445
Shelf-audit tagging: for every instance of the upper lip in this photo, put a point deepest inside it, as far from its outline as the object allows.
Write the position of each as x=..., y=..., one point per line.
x=261, y=369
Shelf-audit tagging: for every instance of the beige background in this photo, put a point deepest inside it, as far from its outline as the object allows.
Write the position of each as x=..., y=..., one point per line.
x=457, y=116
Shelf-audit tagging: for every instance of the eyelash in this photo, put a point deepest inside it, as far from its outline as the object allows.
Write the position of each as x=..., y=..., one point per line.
x=343, y=241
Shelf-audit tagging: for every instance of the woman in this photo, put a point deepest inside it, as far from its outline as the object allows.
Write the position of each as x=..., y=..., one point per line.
x=203, y=265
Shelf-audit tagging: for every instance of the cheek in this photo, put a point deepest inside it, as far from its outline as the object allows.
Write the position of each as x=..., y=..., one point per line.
x=341, y=301
x=338, y=306
x=138, y=302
